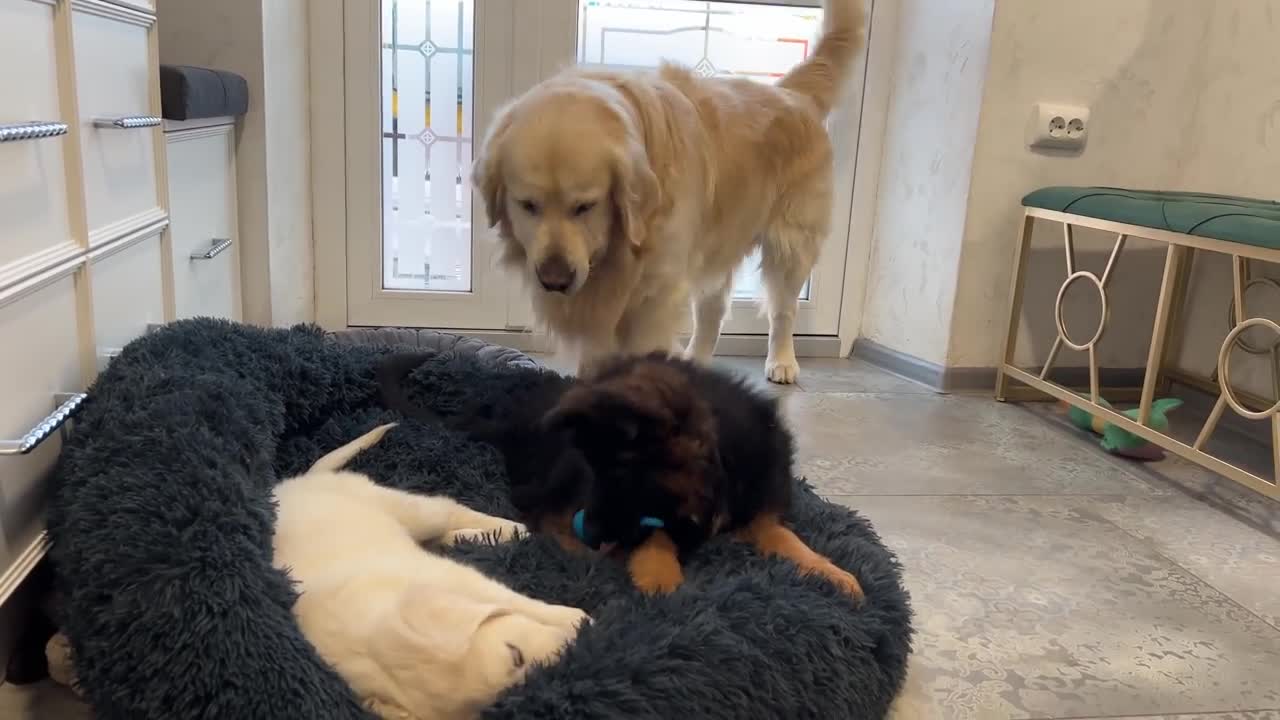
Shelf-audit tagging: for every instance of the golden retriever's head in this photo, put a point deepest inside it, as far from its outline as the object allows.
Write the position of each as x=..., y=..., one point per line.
x=440, y=654
x=566, y=180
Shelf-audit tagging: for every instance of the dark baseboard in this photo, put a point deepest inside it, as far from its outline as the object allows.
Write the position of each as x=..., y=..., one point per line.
x=978, y=379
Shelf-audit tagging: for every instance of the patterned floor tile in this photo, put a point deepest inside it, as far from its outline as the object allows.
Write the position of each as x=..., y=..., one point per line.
x=1032, y=607
x=945, y=445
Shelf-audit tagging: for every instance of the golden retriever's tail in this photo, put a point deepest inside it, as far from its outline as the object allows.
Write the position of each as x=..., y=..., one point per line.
x=822, y=73
x=335, y=459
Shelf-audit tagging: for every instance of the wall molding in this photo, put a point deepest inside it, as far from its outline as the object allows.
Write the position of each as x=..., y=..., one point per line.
x=130, y=239
x=112, y=11
x=23, y=564
x=37, y=264
x=145, y=221
x=176, y=131
x=42, y=279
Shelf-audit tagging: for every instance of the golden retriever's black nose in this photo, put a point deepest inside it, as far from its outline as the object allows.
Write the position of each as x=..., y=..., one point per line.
x=555, y=274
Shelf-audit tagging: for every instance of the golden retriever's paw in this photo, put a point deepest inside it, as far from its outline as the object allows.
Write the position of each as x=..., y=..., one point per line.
x=569, y=618
x=784, y=371
x=510, y=531
x=506, y=532
x=696, y=354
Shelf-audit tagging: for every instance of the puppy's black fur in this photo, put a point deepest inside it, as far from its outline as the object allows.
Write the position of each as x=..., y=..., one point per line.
x=548, y=475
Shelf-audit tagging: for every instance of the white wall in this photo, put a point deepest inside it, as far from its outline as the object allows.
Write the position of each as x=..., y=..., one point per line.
x=1185, y=94
x=940, y=65
x=266, y=42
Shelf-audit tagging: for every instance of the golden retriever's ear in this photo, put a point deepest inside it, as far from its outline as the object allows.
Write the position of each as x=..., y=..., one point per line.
x=486, y=168
x=636, y=194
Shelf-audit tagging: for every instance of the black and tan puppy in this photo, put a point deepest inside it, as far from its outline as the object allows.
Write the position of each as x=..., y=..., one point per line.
x=646, y=438
x=700, y=450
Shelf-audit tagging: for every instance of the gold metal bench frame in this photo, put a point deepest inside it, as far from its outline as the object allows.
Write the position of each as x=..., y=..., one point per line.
x=1161, y=363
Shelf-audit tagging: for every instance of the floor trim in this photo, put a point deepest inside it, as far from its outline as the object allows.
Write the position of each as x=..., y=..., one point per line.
x=975, y=380
x=807, y=346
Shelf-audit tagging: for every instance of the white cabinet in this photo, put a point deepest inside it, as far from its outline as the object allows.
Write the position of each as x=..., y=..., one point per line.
x=88, y=259
x=128, y=293
x=33, y=178
x=118, y=117
x=203, y=225
x=42, y=328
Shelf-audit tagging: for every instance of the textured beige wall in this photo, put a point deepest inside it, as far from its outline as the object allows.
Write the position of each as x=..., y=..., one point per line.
x=938, y=72
x=1185, y=94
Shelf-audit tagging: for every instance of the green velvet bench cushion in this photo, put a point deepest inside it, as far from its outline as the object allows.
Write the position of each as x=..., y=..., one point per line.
x=1221, y=217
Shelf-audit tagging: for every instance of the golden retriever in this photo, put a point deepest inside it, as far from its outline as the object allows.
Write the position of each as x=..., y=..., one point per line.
x=418, y=636
x=622, y=196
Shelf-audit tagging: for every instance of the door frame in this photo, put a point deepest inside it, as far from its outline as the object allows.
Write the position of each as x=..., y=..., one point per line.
x=329, y=192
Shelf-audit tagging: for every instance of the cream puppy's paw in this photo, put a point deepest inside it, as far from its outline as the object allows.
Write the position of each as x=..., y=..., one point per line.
x=506, y=532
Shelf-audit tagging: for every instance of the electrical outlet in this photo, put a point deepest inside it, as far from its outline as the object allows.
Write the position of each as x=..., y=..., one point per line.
x=1058, y=127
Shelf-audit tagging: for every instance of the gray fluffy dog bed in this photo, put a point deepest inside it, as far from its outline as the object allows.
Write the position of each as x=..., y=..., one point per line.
x=162, y=525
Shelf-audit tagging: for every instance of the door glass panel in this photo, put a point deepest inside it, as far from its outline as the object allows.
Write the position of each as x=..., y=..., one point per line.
x=427, y=71
x=760, y=42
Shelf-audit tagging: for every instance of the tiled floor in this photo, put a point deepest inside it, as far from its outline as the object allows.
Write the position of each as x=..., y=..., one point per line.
x=1049, y=579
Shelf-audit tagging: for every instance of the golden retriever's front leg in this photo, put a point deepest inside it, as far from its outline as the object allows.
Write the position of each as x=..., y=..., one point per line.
x=708, y=314
x=787, y=258
x=653, y=324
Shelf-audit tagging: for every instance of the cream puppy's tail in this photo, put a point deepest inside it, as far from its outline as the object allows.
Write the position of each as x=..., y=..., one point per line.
x=335, y=459
x=822, y=74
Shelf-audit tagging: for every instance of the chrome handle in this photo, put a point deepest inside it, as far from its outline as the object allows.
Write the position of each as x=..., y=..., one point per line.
x=69, y=405
x=31, y=131
x=105, y=357
x=216, y=247
x=127, y=122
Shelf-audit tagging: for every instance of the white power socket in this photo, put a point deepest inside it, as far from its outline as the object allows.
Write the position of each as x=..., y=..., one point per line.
x=1058, y=127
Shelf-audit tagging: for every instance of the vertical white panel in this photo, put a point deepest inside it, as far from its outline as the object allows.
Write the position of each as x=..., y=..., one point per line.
x=389, y=198
x=387, y=17
x=444, y=23
x=411, y=221
x=444, y=124
x=450, y=241
x=468, y=102
x=388, y=58
x=411, y=24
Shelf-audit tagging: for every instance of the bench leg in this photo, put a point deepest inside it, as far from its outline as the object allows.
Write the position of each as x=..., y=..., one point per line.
x=1020, y=257
x=1173, y=260
x=1177, y=322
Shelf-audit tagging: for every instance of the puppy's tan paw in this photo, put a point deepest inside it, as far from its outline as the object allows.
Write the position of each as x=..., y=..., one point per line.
x=844, y=580
x=656, y=578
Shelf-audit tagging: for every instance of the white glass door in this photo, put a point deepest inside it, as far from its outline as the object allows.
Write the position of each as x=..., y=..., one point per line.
x=423, y=77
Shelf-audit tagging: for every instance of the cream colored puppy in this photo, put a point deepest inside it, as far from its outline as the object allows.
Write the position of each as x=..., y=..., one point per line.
x=415, y=634
x=622, y=196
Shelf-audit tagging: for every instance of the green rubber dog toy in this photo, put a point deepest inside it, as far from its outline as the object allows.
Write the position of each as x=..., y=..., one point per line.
x=1118, y=441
